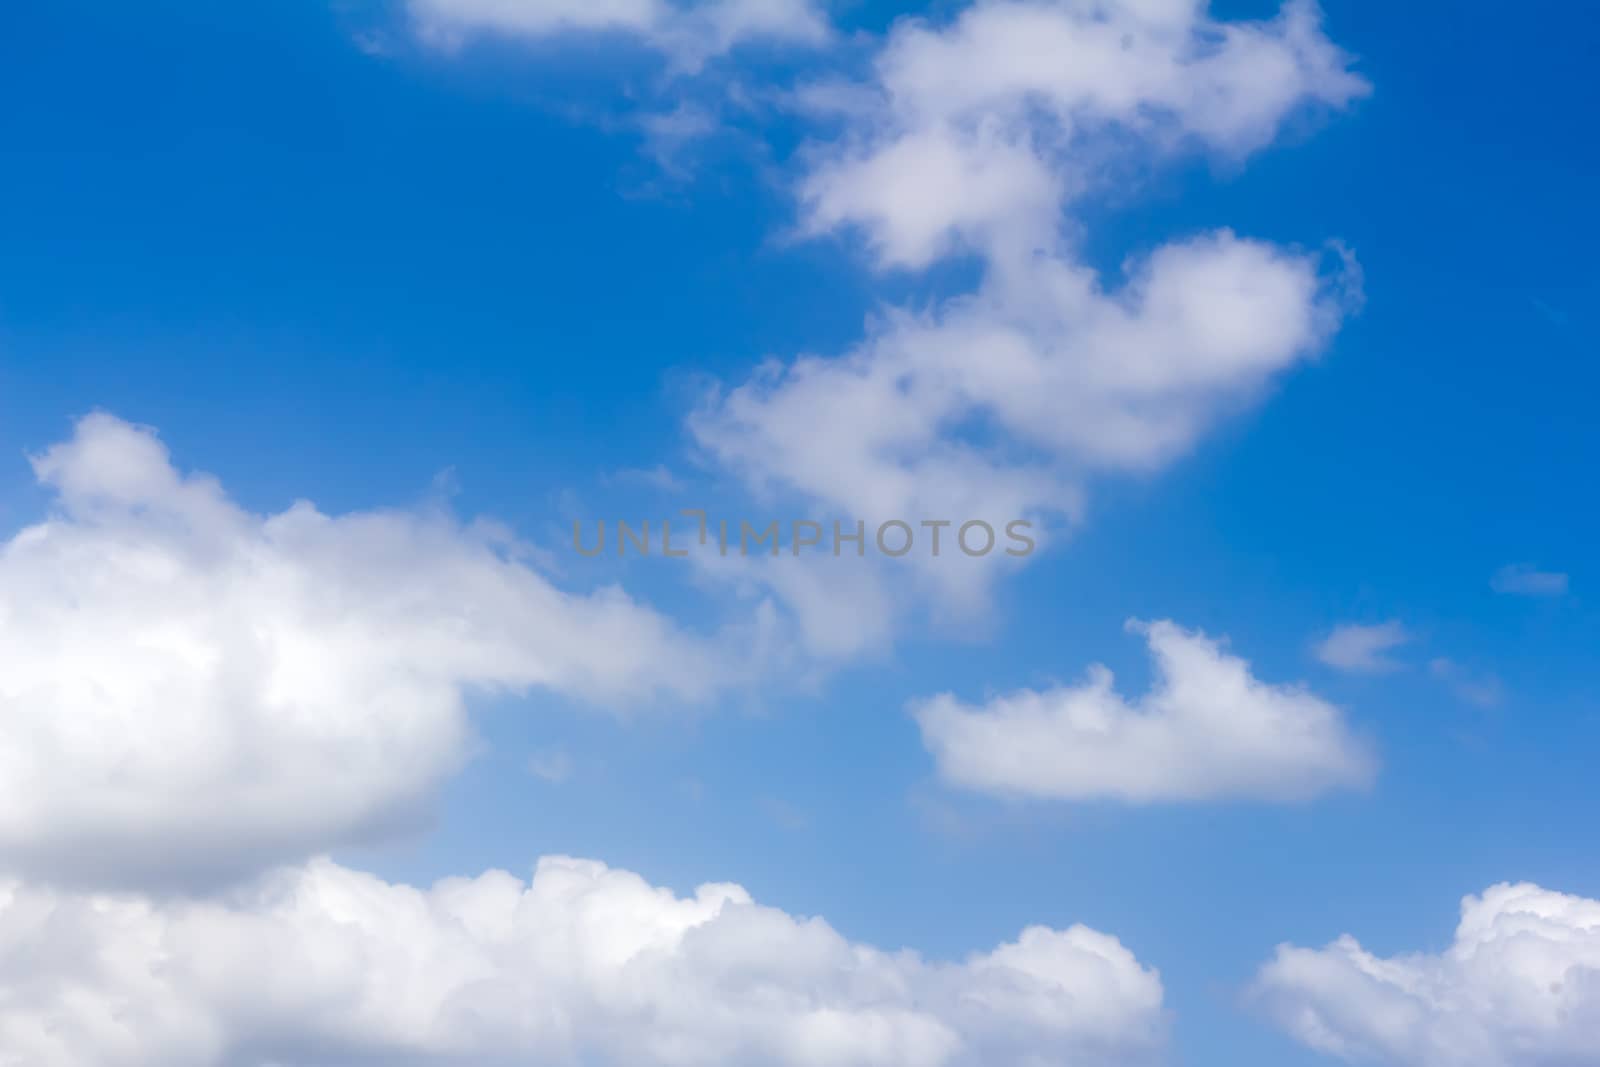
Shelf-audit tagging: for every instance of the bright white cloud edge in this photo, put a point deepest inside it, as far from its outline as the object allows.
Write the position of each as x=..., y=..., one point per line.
x=320, y=964
x=1207, y=729
x=978, y=136
x=1519, y=986
x=191, y=688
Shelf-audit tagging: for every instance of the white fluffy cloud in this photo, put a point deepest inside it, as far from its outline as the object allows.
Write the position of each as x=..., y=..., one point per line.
x=584, y=965
x=688, y=32
x=976, y=134
x=185, y=684
x=997, y=405
x=1518, y=987
x=1362, y=649
x=1075, y=377
x=979, y=136
x=1207, y=729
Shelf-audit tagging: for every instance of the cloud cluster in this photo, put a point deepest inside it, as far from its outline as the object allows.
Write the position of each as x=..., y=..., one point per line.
x=188, y=685
x=1518, y=987
x=1208, y=729
x=193, y=691
x=583, y=965
x=978, y=137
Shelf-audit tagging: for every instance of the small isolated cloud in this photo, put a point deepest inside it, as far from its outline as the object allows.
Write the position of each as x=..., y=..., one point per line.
x=785, y=815
x=1483, y=690
x=1207, y=730
x=1519, y=986
x=320, y=964
x=1524, y=579
x=659, y=477
x=1362, y=649
x=551, y=765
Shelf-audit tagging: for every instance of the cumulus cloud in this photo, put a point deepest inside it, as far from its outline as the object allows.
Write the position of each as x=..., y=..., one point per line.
x=1075, y=376
x=1524, y=579
x=1208, y=729
x=1362, y=649
x=186, y=685
x=687, y=32
x=980, y=136
x=983, y=134
x=583, y=965
x=997, y=405
x=976, y=133
x=1518, y=987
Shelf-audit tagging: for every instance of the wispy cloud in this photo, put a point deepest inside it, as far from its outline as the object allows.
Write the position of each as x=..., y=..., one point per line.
x=1483, y=690
x=659, y=477
x=551, y=765
x=1552, y=314
x=1524, y=579
x=1362, y=649
x=689, y=35
x=784, y=814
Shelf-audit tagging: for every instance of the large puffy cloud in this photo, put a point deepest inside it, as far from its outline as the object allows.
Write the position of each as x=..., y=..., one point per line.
x=185, y=684
x=689, y=33
x=319, y=965
x=1207, y=729
x=1518, y=987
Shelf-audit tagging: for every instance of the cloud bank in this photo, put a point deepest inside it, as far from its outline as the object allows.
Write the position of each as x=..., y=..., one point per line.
x=583, y=965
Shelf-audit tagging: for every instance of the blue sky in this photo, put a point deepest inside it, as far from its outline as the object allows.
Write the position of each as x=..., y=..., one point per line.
x=326, y=259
